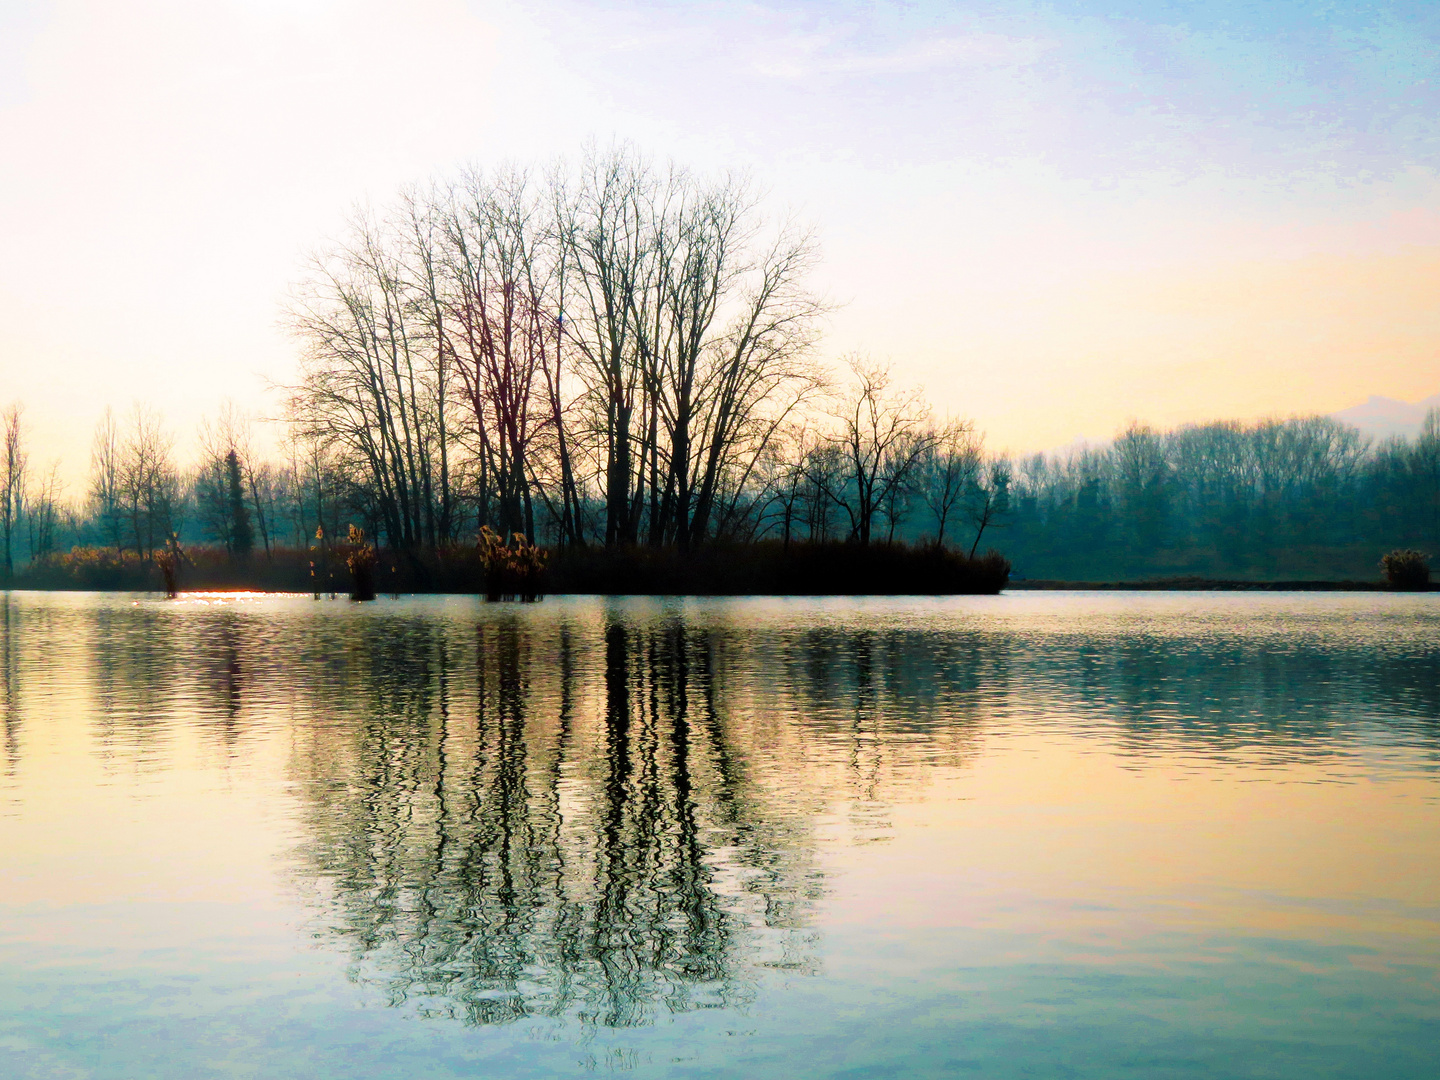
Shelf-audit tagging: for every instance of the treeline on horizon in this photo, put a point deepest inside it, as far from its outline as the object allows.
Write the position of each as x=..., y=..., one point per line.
x=619, y=362
x=1301, y=498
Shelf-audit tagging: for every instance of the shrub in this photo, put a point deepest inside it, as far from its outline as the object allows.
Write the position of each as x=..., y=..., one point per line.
x=1406, y=568
x=168, y=560
x=360, y=559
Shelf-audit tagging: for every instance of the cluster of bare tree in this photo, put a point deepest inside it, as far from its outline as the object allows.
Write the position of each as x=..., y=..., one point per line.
x=608, y=354
x=136, y=493
x=138, y=497
x=32, y=514
x=618, y=355
x=870, y=463
x=859, y=461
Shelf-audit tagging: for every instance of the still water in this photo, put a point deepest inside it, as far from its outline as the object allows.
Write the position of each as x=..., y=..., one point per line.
x=1034, y=835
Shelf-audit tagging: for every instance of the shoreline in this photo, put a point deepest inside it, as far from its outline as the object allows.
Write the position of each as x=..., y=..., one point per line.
x=1198, y=585
x=767, y=568
x=1210, y=585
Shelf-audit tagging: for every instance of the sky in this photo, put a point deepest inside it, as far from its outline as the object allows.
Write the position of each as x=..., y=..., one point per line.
x=1055, y=217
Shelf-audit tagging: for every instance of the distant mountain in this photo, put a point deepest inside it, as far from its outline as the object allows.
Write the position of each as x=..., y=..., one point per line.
x=1382, y=417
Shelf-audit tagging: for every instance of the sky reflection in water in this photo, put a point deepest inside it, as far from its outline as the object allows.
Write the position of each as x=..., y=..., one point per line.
x=1069, y=835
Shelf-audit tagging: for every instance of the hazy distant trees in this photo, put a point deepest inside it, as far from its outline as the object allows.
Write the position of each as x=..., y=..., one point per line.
x=1424, y=475
x=1304, y=496
x=151, y=504
x=104, y=495
x=1227, y=498
x=823, y=467
x=948, y=473
x=314, y=488
x=228, y=485
x=990, y=500
x=1142, y=478
x=784, y=474
x=220, y=500
x=13, y=462
x=44, y=512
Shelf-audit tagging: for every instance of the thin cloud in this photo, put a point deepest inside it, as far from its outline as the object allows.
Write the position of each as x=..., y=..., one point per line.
x=809, y=57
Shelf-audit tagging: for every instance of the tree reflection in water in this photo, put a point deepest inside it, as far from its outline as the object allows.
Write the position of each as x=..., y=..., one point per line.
x=9, y=713
x=545, y=853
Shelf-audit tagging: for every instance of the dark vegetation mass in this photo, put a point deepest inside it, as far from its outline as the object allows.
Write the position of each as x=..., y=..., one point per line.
x=766, y=567
x=606, y=381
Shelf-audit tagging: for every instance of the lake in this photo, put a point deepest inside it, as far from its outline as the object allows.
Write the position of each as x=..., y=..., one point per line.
x=1033, y=835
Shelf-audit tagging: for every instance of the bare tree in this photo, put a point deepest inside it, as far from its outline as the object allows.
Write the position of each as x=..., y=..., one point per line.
x=148, y=483
x=227, y=489
x=302, y=487
x=264, y=484
x=212, y=490
x=757, y=373
x=369, y=388
x=693, y=332
x=602, y=221
x=12, y=482
x=948, y=472
x=423, y=222
x=883, y=437
x=503, y=334
x=43, y=512
x=105, y=497
x=990, y=500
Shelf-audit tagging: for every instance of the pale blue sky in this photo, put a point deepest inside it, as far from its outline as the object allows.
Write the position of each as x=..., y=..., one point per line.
x=1056, y=216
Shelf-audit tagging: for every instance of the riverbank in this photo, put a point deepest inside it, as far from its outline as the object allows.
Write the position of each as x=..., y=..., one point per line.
x=1195, y=584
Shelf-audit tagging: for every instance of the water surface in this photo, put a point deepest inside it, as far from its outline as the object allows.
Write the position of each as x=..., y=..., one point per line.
x=1070, y=835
